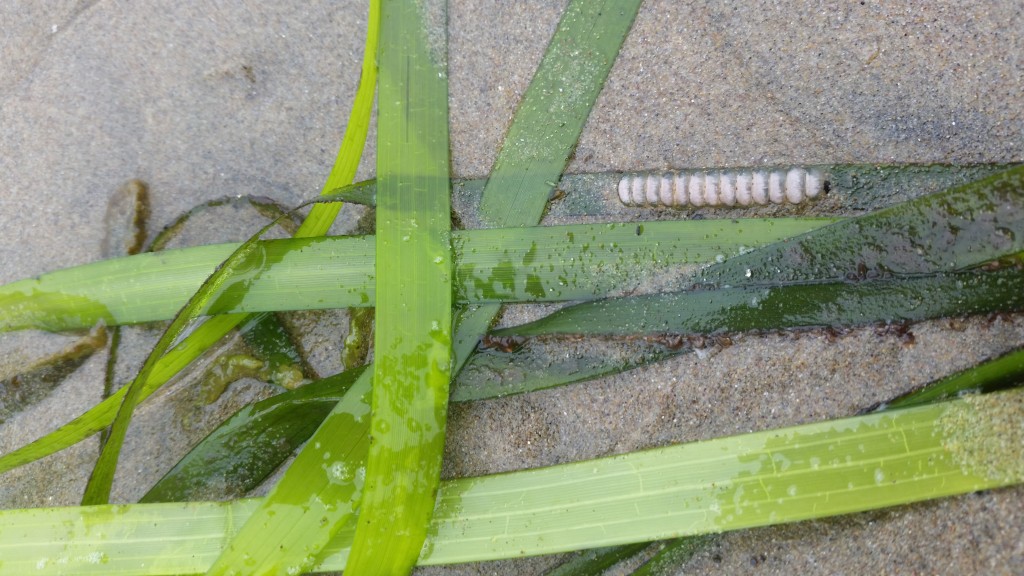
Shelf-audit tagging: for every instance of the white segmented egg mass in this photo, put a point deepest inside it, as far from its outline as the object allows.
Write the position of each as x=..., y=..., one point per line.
x=739, y=188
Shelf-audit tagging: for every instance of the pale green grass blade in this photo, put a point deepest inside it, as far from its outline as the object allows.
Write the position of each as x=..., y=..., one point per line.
x=413, y=319
x=575, y=262
x=810, y=471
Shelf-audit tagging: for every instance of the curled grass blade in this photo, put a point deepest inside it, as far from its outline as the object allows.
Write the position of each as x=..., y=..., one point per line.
x=240, y=263
x=811, y=471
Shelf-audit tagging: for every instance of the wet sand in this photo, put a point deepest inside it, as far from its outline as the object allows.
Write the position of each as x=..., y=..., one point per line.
x=246, y=98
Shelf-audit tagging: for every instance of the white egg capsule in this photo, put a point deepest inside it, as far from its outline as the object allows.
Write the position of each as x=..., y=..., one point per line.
x=739, y=188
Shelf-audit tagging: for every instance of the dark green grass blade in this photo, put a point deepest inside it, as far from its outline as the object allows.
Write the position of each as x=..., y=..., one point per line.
x=998, y=373
x=541, y=363
x=594, y=562
x=674, y=554
x=246, y=448
x=829, y=304
x=952, y=230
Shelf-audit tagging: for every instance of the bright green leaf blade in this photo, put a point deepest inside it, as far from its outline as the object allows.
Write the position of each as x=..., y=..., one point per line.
x=413, y=319
x=309, y=271
x=810, y=471
x=350, y=152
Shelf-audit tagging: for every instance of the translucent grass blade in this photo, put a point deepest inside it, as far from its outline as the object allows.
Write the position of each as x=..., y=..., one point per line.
x=811, y=471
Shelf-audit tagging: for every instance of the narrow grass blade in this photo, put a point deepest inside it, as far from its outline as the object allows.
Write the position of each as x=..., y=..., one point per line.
x=810, y=471
x=828, y=304
x=995, y=374
x=553, y=111
x=240, y=263
x=570, y=76
x=594, y=562
x=246, y=448
x=573, y=262
x=952, y=230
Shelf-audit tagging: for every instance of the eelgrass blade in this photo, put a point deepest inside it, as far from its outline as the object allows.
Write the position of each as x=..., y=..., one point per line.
x=810, y=471
x=241, y=261
x=574, y=262
x=820, y=305
x=570, y=76
x=952, y=230
x=247, y=447
x=994, y=374
x=594, y=562
x=412, y=335
x=310, y=272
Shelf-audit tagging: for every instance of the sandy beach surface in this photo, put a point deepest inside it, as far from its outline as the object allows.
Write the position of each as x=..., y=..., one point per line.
x=251, y=98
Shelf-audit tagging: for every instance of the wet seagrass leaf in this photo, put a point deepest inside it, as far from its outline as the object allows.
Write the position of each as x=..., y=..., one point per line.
x=247, y=447
x=551, y=263
x=899, y=256
x=819, y=305
x=810, y=471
